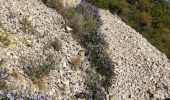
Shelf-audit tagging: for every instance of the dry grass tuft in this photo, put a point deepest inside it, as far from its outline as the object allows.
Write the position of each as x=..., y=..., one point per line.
x=15, y=73
x=27, y=27
x=76, y=62
x=42, y=83
x=5, y=37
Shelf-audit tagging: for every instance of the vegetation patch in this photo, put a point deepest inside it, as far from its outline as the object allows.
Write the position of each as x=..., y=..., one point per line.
x=54, y=43
x=100, y=61
x=39, y=69
x=4, y=38
x=76, y=62
x=27, y=27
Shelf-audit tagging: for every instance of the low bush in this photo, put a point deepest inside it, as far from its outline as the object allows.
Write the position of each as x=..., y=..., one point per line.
x=75, y=21
x=38, y=69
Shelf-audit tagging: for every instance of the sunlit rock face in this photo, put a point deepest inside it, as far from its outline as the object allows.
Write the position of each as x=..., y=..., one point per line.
x=65, y=3
x=71, y=3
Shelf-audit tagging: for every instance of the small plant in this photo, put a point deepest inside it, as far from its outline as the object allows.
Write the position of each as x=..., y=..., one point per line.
x=4, y=38
x=95, y=87
x=56, y=44
x=88, y=17
x=76, y=61
x=95, y=44
x=14, y=74
x=90, y=24
x=27, y=27
x=39, y=69
x=75, y=21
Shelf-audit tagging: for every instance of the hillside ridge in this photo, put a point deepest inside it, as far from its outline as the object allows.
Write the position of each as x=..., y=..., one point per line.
x=39, y=55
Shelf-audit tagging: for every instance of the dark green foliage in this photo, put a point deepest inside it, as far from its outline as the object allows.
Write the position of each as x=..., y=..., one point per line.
x=150, y=17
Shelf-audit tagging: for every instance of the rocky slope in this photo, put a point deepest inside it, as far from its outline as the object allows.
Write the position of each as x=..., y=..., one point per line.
x=34, y=35
x=142, y=72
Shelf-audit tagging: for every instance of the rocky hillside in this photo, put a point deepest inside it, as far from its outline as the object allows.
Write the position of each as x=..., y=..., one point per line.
x=40, y=56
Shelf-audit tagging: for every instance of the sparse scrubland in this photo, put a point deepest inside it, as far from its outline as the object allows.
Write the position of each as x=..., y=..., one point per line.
x=50, y=50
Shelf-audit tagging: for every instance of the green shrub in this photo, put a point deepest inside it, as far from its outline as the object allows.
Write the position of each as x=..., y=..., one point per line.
x=90, y=24
x=38, y=69
x=75, y=21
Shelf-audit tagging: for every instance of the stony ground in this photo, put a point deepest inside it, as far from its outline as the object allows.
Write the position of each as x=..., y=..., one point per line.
x=142, y=72
x=36, y=32
x=30, y=33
